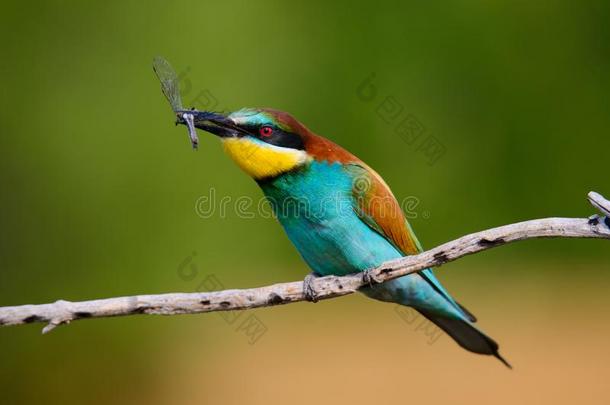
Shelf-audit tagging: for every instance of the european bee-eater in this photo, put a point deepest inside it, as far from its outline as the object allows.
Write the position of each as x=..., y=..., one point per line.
x=337, y=211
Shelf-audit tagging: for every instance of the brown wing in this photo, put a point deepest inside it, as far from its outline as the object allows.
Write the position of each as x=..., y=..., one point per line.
x=379, y=209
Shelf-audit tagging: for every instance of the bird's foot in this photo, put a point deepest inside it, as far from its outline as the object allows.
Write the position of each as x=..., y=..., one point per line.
x=369, y=277
x=308, y=289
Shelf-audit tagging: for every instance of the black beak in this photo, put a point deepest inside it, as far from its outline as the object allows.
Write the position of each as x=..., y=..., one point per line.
x=211, y=122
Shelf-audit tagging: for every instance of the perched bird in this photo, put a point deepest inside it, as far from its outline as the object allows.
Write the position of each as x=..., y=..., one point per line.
x=338, y=212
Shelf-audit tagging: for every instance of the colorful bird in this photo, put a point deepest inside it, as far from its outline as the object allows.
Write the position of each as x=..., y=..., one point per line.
x=338, y=212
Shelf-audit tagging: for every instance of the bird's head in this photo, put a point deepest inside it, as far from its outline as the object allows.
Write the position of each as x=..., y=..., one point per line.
x=263, y=142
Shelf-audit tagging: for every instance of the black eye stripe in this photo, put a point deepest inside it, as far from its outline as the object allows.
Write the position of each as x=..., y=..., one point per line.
x=278, y=137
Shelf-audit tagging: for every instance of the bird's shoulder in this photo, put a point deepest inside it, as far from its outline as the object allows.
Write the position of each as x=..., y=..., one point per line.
x=373, y=201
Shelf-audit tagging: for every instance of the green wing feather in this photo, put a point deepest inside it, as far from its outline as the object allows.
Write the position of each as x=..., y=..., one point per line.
x=377, y=207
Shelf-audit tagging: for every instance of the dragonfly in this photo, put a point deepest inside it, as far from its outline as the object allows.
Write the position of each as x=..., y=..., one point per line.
x=171, y=90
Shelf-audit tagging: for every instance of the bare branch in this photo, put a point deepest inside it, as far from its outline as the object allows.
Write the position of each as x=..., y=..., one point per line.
x=599, y=202
x=62, y=312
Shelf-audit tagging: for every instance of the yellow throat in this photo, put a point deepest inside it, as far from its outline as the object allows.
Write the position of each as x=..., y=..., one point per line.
x=260, y=160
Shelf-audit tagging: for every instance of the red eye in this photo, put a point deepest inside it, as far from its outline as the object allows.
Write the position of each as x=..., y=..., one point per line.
x=265, y=131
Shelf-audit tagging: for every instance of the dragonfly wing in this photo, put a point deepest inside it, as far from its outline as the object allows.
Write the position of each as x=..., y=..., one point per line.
x=169, y=82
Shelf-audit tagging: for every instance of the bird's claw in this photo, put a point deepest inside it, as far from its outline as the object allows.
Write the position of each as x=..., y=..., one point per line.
x=369, y=277
x=308, y=289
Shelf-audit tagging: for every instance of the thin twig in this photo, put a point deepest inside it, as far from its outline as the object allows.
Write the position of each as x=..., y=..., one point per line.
x=599, y=202
x=62, y=312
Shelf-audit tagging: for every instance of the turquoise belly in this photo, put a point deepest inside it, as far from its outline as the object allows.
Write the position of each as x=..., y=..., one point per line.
x=315, y=207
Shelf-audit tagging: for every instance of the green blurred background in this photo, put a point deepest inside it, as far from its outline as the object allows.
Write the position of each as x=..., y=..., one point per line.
x=99, y=191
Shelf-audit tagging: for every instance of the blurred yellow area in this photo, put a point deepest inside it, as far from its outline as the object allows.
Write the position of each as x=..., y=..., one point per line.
x=350, y=349
x=357, y=351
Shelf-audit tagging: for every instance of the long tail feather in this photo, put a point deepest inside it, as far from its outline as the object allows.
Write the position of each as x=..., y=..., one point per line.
x=467, y=336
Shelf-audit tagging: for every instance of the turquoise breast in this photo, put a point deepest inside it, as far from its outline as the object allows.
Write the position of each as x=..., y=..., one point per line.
x=316, y=208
